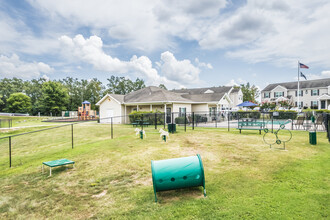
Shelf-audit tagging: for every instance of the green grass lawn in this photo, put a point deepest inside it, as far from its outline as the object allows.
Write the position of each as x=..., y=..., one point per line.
x=245, y=179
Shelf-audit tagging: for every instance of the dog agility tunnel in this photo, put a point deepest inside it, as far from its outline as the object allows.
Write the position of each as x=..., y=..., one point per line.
x=177, y=173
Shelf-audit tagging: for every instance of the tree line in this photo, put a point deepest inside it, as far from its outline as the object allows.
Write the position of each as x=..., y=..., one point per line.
x=51, y=97
x=54, y=96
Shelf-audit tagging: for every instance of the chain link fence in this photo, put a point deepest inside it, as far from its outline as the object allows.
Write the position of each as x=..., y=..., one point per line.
x=18, y=149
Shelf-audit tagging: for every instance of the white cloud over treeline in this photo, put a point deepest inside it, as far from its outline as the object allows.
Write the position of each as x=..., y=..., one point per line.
x=168, y=70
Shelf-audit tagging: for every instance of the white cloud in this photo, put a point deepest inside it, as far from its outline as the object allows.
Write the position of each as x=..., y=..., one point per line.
x=325, y=73
x=232, y=83
x=175, y=73
x=14, y=67
x=202, y=64
x=237, y=82
x=182, y=71
x=146, y=25
x=284, y=35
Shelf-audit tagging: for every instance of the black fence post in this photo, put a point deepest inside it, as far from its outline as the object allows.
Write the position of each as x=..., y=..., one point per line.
x=172, y=123
x=9, y=151
x=156, y=121
x=228, y=115
x=111, y=128
x=193, y=120
x=292, y=121
x=141, y=123
x=185, y=122
x=272, y=123
x=72, y=135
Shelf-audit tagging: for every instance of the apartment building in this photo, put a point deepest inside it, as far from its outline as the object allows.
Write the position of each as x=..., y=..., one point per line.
x=314, y=94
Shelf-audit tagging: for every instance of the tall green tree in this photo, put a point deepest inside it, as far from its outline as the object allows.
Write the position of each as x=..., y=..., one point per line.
x=2, y=103
x=80, y=90
x=18, y=103
x=54, y=99
x=121, y=85
x=33, y=90
x=250, y=93
x=95, y=91
x=8, y=87
x=162, y=86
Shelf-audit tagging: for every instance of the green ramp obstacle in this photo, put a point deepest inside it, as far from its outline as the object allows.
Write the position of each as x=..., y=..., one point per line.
x=177, y=173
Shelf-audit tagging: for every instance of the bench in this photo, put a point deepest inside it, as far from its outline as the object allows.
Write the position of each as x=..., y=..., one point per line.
x=251, y=125
x=56, y=163
x=146, y=124
x=135, y=124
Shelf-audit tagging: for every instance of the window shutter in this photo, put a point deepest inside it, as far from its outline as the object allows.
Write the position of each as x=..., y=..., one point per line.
x=318, y=92
x=296, y=93
x=311, y=92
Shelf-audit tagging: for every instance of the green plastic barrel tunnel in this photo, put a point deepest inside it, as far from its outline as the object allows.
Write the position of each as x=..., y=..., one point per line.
x=177, y=173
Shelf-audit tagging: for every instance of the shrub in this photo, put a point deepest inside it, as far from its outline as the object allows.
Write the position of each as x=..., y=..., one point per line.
x=180, y=120
x=285, y=114
x=249, y=114
x=148, y=116
x=322, y=111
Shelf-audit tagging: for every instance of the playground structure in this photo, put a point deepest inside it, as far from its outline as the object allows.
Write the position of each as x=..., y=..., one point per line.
x=177, y=173
x=85, y=112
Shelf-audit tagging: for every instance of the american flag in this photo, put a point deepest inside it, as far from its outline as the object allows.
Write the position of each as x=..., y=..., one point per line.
x=303, y=66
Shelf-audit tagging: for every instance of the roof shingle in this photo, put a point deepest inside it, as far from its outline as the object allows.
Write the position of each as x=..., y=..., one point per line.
x=303, y=84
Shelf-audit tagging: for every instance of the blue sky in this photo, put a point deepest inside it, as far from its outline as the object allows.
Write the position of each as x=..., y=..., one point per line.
x=177, y=43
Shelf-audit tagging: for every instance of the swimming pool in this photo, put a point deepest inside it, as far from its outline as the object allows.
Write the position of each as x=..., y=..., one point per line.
x=277, y=122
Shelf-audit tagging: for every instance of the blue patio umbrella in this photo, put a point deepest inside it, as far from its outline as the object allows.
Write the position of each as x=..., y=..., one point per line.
x=247, y=104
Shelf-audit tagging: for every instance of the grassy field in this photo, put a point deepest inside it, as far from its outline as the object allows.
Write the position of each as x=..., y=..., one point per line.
x=19, y=122
x=112, y=178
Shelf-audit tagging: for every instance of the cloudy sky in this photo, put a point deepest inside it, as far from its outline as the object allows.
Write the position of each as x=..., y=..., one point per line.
x=190, y=43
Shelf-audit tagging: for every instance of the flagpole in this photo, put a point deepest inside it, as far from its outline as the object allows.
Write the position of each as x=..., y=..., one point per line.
x=298, y=93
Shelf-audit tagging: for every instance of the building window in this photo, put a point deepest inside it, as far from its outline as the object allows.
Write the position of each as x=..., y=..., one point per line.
x=182, y=111
x=278, y=94
x=315, y=92
x=301, y=93
x=266, y=95
x=212, y=111
x=314, y=105
x=301, y=104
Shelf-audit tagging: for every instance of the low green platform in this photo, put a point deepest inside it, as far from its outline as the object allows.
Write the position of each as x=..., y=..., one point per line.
x=56, y=163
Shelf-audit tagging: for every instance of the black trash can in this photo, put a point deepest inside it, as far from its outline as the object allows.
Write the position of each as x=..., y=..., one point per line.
x=312, y=137
x=171, y=127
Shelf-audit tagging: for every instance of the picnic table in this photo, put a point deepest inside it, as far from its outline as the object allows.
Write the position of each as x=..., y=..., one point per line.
x=140, y=122
x=56, y=163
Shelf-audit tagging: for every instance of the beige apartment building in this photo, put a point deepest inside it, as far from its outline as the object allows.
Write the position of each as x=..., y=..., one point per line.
x=314, y=94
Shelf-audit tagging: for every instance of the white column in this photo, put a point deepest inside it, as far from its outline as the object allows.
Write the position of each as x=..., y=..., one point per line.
x=165, y=112
x=319, y=104
x=125, y=114
x=137, y=107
